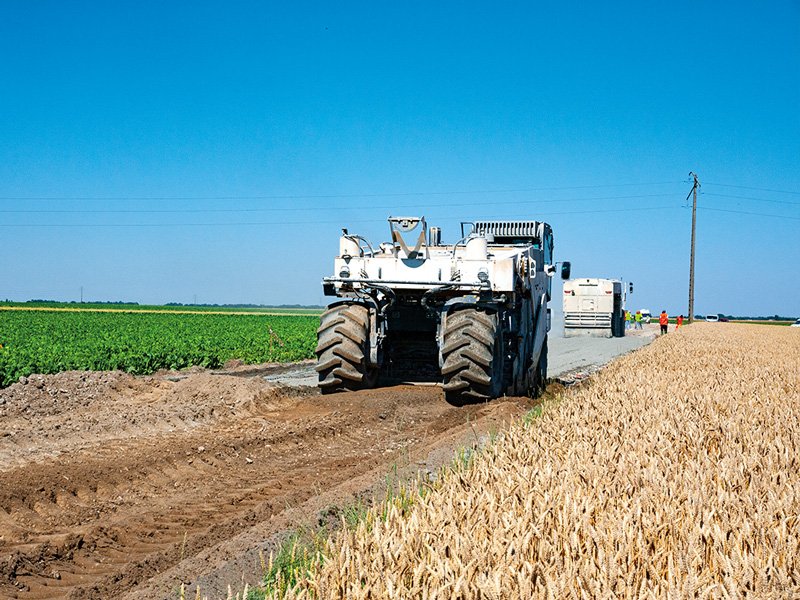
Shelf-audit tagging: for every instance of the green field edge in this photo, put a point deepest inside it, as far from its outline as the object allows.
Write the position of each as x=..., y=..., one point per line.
x=162, y=308
x=46, y=342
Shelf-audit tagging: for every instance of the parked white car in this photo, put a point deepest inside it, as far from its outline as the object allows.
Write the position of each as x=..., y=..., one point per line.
x=712, y=318
x=646, y=316
x=795, y=324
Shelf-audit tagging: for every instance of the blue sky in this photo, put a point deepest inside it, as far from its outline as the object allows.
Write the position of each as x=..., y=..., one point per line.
x=214, y=150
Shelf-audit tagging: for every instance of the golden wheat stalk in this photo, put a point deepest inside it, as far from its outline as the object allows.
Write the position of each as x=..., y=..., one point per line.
x=673, y=473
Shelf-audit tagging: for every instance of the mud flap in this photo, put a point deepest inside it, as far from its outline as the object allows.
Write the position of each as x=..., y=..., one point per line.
x=373, y=337
x=540, y=329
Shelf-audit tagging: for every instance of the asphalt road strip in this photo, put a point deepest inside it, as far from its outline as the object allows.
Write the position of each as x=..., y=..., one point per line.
x=568, y=358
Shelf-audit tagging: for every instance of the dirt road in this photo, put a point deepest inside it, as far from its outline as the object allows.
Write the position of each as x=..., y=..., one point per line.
x=121, y=486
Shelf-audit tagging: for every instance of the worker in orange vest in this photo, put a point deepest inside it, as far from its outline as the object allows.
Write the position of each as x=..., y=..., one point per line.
x=680, y=321
x=663, y=320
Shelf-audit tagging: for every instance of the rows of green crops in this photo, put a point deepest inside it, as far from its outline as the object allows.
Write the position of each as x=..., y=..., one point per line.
x=49, y=342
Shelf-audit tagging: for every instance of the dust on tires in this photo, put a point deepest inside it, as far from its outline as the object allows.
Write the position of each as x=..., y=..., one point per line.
x=341, y=342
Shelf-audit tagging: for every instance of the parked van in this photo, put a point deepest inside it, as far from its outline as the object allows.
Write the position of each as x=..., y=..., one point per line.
x=712, y=318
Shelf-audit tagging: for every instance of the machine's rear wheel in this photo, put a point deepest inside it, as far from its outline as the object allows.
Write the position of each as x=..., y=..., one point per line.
x=341, y=349
x=473, y=357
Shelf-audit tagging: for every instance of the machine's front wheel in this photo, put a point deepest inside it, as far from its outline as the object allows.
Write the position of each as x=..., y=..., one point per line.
x=342, y=340
x=473, y=355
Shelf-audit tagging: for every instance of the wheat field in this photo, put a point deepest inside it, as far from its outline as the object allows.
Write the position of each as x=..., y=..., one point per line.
x=672, y=474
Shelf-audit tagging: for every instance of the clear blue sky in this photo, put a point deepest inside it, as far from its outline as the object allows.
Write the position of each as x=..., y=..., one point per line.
x=292, y=120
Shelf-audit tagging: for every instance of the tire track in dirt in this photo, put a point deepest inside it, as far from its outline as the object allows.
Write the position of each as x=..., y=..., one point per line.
x=108, y=480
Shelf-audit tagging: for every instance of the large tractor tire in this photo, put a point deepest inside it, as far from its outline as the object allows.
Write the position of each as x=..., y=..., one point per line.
x=473, y=357
x=342, y=340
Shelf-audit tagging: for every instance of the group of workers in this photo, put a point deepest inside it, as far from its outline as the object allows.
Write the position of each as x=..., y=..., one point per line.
x=635, y=320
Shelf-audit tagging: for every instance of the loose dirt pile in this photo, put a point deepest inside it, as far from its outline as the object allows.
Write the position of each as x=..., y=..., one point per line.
x=673, y=473
x=118, y=486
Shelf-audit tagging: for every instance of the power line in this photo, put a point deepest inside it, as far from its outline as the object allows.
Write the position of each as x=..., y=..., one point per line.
x=742, y=212
x=296, y=208
x=255, y=223
x=329, y=196
x=752, y=198
x=759, y=189
x=375, y=207
x=392, y=194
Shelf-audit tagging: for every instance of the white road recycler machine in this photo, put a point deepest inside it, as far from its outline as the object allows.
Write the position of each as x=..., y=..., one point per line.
x=472, y=315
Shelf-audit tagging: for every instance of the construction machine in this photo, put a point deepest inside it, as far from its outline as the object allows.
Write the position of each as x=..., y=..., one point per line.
x=472, y=315
x=594, y=307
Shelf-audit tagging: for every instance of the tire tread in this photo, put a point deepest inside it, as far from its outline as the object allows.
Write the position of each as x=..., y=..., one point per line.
x=341, y=343
x=468, y=351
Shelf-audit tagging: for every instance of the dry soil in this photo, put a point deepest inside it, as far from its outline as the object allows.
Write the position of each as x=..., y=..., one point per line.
x=126, y=487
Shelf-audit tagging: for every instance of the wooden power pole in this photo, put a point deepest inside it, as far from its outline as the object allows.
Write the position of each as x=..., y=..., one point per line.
x=693, y=194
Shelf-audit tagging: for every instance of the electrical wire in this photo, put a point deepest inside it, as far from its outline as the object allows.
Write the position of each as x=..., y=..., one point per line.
x=795, y=203
x=296, y=208
x=758, y=189
x=330, y=196
x=255, y=223
x=742, y=212
x=371, y=207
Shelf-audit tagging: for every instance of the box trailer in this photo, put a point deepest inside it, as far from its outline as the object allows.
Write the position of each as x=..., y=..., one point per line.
x=594, y=307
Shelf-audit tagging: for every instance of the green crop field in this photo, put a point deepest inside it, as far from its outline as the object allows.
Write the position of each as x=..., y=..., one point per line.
x=177, y=308
x=46, y=341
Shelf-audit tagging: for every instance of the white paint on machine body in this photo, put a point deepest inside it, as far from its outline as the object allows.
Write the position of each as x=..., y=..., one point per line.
x=440, y=266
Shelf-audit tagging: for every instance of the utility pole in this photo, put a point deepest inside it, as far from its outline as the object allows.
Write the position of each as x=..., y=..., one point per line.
x=693, y=194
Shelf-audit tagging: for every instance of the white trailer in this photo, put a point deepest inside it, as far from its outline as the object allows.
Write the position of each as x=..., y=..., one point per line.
x=594, y=307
